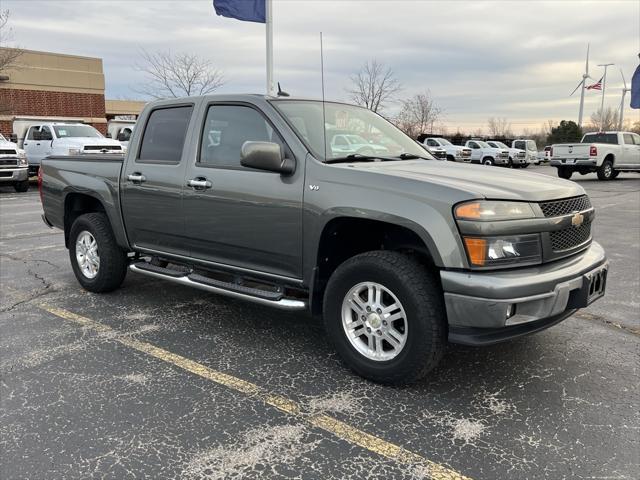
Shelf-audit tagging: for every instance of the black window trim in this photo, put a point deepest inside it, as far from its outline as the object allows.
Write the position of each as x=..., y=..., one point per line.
x=146, y=125
x=198, y=164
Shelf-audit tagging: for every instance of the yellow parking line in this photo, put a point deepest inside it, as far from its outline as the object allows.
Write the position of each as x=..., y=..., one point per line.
x=324, y=422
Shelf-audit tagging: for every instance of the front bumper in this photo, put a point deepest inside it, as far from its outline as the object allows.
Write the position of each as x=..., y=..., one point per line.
x=489, y=307
x=501, y=160
x=573, y=162
x=12, y=175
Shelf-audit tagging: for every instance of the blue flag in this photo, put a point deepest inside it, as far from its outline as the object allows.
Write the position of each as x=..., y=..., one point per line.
x=246, y=10
x=635, y=89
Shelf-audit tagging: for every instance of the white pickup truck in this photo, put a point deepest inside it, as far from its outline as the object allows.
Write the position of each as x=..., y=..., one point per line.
x=606, y=153
x=46, y=139
x=454, y=153
x=528, y=146
x=517, y=158
x=13, y=166
x=482, y=152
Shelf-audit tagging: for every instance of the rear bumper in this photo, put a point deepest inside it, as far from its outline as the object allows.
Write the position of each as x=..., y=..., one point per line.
x=12, y=175
x=488, y=307
x=573, y=162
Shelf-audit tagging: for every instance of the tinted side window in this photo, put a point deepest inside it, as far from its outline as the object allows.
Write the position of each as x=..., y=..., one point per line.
x=226, y=129
x=45, y=134
x=32, y=130
x=164, y=135
x=520, y=145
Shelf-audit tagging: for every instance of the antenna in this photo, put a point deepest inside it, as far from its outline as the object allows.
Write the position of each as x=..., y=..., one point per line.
x=282, y=93
x=324, y=114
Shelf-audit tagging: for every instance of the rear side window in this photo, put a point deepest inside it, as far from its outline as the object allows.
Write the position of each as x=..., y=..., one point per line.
x=226, y=129
x=31, y=134
x=165, y=134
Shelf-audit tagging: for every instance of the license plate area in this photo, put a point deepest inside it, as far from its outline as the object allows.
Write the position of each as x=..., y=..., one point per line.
x=594, y=284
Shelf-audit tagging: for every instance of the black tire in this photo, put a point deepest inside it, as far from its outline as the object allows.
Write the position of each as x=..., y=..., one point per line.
x=606, y=171
x=615, y=174
x=21, y=186
x=488, y=161
x=451, y=158
x=419, y=292
x=565, y=172
x=510, y=163
x=524, y=165
x=113, y=260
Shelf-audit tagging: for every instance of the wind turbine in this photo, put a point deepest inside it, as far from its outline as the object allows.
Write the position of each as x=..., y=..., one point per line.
x=624, y=93
x=581, y=86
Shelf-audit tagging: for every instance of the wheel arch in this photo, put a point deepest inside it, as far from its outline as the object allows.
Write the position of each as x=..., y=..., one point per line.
x=80, y=203
x=345, y=236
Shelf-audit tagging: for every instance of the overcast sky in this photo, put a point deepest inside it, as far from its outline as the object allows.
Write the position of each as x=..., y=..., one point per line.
x=513, y=59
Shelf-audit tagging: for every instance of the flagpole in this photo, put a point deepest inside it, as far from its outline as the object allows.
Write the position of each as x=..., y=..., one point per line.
x=269, y=29
x=604, y=84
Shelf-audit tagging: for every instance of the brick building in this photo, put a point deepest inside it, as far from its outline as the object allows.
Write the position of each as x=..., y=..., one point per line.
x=52, y=86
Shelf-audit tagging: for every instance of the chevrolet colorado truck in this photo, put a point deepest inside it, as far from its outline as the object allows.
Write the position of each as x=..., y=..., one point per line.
x=244, y=196
x=606, y=153
x=13, y=166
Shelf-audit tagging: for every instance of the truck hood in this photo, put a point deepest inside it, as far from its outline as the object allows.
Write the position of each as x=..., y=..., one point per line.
x=478, y=181
x=81, y=141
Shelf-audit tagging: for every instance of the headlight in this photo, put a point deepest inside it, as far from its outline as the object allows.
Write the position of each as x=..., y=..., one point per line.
x=75, y=151
x=487, y=211
x=22, y=159
x=503, y=251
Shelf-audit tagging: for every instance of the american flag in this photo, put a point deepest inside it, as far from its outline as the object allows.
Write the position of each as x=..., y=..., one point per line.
x=595, y=86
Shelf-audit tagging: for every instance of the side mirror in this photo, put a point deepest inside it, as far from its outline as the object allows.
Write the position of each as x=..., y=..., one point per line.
x=13, y=138
x=120, y=137
x=266, y=156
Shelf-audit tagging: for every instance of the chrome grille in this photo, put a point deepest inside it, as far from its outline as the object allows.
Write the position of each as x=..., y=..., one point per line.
x=565, y=206
x=570, y=237
x=8, y=151
x=99, y=148
x=11, y=162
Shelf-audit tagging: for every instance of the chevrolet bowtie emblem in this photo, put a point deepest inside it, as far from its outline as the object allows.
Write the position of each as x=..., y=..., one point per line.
x=577, y=219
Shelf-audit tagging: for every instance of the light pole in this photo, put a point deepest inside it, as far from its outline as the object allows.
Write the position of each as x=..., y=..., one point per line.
x=604, y=83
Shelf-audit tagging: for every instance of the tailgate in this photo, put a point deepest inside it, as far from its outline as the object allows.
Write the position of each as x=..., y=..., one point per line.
x=571, y=150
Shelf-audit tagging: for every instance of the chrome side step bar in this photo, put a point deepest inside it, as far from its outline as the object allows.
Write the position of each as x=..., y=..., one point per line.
x=282, y=303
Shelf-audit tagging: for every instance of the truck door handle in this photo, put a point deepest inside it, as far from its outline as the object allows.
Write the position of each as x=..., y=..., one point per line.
x=136, y=177
x=199, y=183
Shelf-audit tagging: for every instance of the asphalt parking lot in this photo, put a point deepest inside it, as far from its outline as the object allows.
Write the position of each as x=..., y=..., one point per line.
x=160, y=381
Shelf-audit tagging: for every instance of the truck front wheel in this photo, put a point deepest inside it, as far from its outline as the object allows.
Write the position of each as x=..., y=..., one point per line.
x=565, y=172
x=21, y=186
x=98, y=263
x=384, y=313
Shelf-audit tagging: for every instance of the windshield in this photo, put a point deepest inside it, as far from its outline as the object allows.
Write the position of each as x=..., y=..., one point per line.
x=483, y=144
x=350, y=130
x=444, y=141
x=66, y=131
x=498, y=144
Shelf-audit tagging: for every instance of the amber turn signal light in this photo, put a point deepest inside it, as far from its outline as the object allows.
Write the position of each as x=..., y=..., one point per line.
x=477, y=250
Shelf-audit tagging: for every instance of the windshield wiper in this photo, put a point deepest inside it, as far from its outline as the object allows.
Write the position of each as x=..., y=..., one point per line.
x=411, y=156
x=357, y=157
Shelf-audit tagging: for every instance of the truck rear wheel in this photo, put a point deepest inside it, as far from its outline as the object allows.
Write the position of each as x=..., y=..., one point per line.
x=565, y=172
x=606, y=171
x=98, y=263
x=384, y=313
x=21, y=186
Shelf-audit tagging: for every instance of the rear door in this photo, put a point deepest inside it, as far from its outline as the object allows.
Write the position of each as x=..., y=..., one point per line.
x=152, y=181
x=244, y=218
x=631, y=150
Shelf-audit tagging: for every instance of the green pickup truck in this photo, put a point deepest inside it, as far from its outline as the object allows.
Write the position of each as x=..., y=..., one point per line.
x=242, y=195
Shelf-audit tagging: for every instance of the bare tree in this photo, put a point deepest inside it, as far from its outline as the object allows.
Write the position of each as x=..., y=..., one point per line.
x=499, y=127
x=418, y=115
x=373, y=86
x=597, y=123
x=8, y=55
x=172, y=75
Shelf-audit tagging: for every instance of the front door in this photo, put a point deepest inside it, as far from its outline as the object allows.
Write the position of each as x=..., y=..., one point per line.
x=35, y=148
x=237, y=216
x=631, y=150
x=152, y=182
